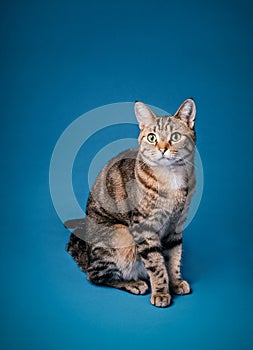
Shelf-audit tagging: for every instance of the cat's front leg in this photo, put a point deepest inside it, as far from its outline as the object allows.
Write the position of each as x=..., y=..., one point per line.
x=173, y=256
x=154, y=263
x=149, y=249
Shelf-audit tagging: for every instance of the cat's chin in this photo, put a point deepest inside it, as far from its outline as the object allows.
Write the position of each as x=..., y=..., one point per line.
x=163, y=161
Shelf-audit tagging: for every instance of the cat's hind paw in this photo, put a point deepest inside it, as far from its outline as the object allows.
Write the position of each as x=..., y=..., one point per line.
x=137, y=287
x=160, y=299
x=180, y=288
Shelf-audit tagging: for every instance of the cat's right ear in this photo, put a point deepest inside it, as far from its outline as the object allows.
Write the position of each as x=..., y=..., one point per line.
x=144, y=114
x=187, y=112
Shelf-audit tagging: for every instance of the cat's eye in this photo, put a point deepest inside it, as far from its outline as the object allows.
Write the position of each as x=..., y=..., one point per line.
x=151, y=138
x=176, y=136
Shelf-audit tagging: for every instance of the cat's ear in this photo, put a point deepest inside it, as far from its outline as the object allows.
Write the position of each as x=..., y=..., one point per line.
x=144, y=114
x=187, y=112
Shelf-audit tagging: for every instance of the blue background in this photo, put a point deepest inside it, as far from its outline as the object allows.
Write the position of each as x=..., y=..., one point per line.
x=60, y=59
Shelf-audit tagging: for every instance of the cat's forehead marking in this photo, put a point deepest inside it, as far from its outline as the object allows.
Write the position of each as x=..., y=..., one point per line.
x=163, y=123
x=166, y=125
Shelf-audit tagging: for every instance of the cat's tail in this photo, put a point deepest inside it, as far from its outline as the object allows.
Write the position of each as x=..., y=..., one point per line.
x=77, y=247
x=79, y=227
x=74, y=223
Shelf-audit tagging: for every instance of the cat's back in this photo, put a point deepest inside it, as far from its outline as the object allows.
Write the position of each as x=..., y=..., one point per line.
x=122, y=165
x=111, y=186
x=125, y=158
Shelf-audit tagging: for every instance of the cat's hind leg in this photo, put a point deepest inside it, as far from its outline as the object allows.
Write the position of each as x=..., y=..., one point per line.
x=79, y=250
x=115, y=267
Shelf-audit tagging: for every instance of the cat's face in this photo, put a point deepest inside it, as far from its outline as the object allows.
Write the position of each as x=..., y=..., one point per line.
x=169, y=139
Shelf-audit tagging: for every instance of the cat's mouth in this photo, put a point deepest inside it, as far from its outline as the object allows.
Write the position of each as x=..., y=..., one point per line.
x=166, y=160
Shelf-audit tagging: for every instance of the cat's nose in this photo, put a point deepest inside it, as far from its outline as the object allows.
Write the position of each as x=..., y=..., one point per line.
x=163, y=150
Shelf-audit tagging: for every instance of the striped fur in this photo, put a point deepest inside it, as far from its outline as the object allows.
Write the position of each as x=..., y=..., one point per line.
x=131, y=238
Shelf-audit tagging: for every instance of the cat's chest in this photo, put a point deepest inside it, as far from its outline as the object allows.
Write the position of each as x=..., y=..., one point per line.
x=170, y=181
x=172, y=192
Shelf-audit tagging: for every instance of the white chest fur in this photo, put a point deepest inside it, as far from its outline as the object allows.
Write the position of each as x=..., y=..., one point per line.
x=171, y=179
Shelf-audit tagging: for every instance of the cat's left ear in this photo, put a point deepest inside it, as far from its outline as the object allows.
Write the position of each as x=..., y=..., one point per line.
x=144, y=114
x=187, y=112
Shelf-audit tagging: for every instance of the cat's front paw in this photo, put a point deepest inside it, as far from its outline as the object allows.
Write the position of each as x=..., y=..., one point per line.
x=160, y=299
x=180, y=288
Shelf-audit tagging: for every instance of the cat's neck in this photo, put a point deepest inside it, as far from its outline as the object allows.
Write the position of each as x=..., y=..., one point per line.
x=171, y=177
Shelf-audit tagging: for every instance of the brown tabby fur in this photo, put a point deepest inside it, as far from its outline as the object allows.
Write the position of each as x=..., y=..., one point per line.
x=131, y=237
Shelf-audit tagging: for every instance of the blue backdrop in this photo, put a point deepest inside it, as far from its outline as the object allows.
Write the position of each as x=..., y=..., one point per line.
x=60, y=59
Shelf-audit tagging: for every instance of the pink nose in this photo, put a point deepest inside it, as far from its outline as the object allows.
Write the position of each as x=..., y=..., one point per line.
x=162, y=150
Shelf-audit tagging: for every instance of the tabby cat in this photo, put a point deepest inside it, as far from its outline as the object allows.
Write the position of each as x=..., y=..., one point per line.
x=131, y=237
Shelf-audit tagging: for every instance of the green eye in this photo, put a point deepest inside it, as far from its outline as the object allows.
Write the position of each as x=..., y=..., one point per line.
x=151, y=138
x=176, y=136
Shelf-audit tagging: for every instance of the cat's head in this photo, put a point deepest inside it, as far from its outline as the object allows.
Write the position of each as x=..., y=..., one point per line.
x=168, y=139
